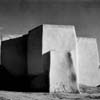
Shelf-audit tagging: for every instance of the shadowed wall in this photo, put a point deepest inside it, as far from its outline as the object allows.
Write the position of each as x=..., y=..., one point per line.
x=38, y=63
x=14, y=55
x=13, y=71
x=34, y=53
x=24, y=68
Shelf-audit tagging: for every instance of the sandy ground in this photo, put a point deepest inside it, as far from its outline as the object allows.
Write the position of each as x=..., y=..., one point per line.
x=87, y=93
x=4, y=95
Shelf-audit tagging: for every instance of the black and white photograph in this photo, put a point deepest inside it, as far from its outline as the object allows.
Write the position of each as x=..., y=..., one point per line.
x=49, y=49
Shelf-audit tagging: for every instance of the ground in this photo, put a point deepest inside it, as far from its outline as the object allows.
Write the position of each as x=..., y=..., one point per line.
x=89, y=93
x=46, y=96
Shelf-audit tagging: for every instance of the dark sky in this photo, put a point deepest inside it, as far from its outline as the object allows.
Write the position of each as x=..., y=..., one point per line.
x=19, y=16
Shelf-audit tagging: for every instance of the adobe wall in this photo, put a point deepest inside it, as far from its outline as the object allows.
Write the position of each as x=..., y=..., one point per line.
x=88, y=61
x=34, y=51
x=33, y=55
x=38, y=63
x=60, y=40
x=13, y=55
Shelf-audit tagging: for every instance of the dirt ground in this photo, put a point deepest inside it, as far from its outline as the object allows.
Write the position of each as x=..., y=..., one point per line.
x=4, y=95
x=87, y=93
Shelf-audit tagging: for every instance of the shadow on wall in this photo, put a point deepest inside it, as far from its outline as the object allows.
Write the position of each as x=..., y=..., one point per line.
x=26, y=82
x=12, y=83
x=40, y=82
x=14, y=55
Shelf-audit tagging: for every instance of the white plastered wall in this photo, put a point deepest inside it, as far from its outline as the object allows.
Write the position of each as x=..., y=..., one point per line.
x=62, y=39
x=88, y=61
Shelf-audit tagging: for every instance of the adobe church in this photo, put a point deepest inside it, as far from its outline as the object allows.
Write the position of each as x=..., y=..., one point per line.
x=47, y=59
